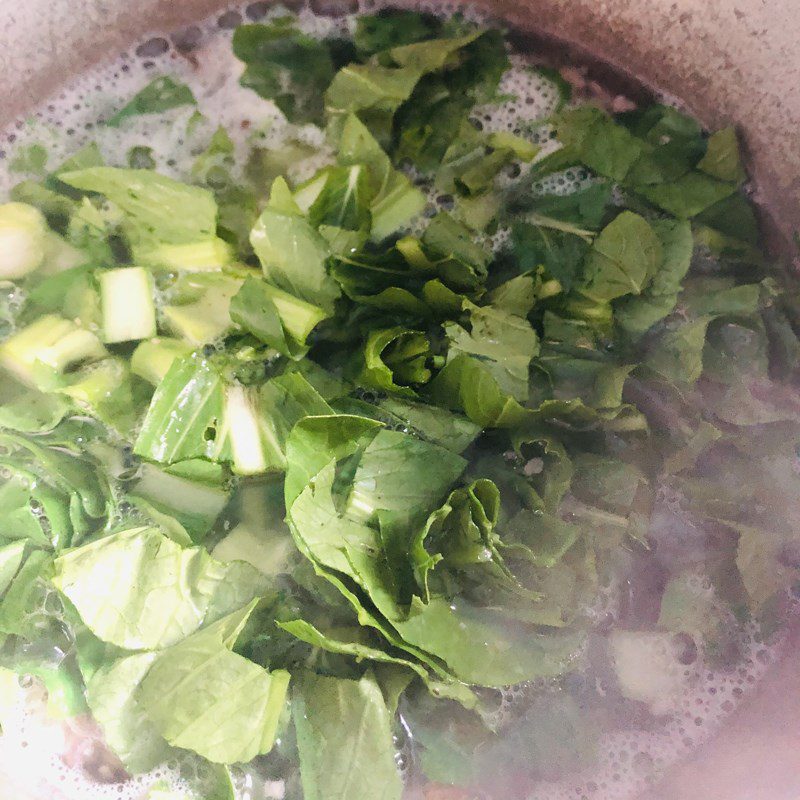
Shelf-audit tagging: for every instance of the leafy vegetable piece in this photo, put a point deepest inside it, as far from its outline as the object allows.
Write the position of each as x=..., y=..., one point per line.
x=721, y=159
x=342, y=197
x=689, y=195
x=292, y=253
x=21, y=605
x=152, y=358
x=33, y=412
x=392, y=27
x=192, y=492
x=200, y=307
x=441, y=101
x=395, y=359
x=344, y=739
x=11, y=558
x=141, y=157
x=561, y=253
x=237, y=197
x=395, y=200
x=308, y=633
x=111, y=695
x=460, y=533
x=197, y=413
x=160, y=95
x=194, y=389
x=465, y=384
x=315, y=441
x=168, y=224
x=157, y=592
x=106, y=391
x=402, y=475
x=287, y=66
x=677, y=354
x=623, y=259
x=589, y=136
x=373, y=92
x=277, y=318
x=541, y=539
x=635, y=315
x=505, y=653
x=474, y=159
x=460, y=262
x=205, y=698
x=49, y=478
x=437, y=425
x=504, y=343
x=39, y=354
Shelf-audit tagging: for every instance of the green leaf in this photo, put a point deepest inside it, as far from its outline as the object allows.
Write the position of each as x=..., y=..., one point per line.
x=344, y=199
x=205, y=698
x=623, y=259
x=392, y=27
x=539, y=538
x=33, y=412
x=722, y=157
x=561, y=253
x=49, y=480
x=309, y=634
x=441, y=101
x=315, y=441
x=277, y=318
x=160, y=95
x=504, y=343
x=292, y=253
x=589, y=136
x=21, y=608
x=155, y=593
x=474, y=159
x=635, y=315
x=184, y=413
x=160, y=215
x=758, y=559
x=395, y=200
x=689, y=195
x=465, y=384
x=395, y=359
x=402, y=475
x=373, y=92
x=111, y=695
x=197, y=412
x=344, y=739
x=141, y=157
x=460, y=534
x=11, y=558
x=191, y=492
x=286, y=66
x=437, y=425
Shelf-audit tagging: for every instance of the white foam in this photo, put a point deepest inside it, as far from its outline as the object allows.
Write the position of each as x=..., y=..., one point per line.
x=32, y=746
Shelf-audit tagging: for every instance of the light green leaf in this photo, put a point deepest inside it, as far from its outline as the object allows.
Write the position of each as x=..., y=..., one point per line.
x=344, y=738
x=111, y=697
x=140, y=590
x=623, y=258
x=205, y=698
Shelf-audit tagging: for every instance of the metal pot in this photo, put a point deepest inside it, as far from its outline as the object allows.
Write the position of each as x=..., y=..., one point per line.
x=729, y=61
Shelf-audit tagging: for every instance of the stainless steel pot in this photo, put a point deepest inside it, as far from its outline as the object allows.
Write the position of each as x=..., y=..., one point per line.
x=729, y=61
